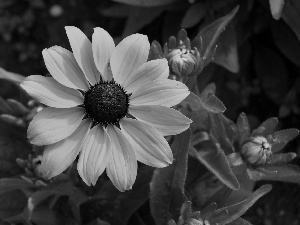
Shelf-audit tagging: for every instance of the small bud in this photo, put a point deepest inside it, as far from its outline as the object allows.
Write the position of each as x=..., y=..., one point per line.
x=56, y=11
x=256, y=150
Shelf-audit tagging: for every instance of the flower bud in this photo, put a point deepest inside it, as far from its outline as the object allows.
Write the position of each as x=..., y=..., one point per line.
x=183, y=62
x=256, y=150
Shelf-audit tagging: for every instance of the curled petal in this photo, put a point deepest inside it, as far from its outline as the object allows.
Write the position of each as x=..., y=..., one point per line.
x=83, y=53
x=150, y=147
x=160, y=92
x=130, y=54
x=94, y=156
x=63, y=67
x=122, y=166
x=51, y=125
x=167, y=121
x=51, y=93
x=59, y=156
x=155, y=69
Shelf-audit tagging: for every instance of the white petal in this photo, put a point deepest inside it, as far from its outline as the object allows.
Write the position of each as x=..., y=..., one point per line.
x=149, y=71
x=59, y=156
x=168, y=121
x=51, y=125
x=160, y=92
x=122, y=167
x=83, y=53
x=51, y=93
x=150, y=147
x=103, y=46
x=63, y=67
x=130, y=54
x=94, y=156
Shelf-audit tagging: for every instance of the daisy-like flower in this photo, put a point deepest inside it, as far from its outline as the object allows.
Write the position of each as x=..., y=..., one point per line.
x=108, y=105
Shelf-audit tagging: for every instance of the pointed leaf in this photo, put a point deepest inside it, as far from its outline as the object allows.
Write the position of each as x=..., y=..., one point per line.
x=146, y=3
x=266, y=128
x=227, y=52
x=223, y=130
x=243, y=127
x=167, y=185
x=237, y=210
x=211, y=33
x=213, y=157
x=280, y=138
x=286, y=173
x=239, y=221
x=17, y=78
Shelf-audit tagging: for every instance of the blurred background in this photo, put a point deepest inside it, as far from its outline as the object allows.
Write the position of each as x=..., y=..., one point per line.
x=256, y=67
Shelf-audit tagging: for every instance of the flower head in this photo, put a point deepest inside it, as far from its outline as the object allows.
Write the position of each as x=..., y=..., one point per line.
x=108, y=105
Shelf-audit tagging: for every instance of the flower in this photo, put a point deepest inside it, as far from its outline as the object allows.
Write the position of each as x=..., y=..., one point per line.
x=108, y=105
x=256, y=150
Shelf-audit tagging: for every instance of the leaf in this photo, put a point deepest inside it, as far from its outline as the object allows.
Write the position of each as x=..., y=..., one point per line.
x=17, y=78
x=146, y=3
x=279, y=139
x=240, y=221
x=291, y=15
x=276, y=8
x=212, y=104
x=193, y=15
x=10, y=184
x=278, y=159
x=285, y=173
x=227, y=52
x=237, y=210
x=155, y=51
x=138, y=18
x=213, y=157
x=286, y=41
x=266, y=128
x=223, y=131
x=243, y=128
x=271, y=72
x=210, y=34
x=167, y=185
x=12, y=203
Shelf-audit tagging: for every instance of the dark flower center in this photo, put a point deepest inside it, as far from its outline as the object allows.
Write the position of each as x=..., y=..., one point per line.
x=106, y=103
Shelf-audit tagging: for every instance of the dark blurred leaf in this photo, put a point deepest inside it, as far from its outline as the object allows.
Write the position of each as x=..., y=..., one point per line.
x=211, y=33
x=118, y=10
x=291, y=15
x=140, y=17
x=17, y=78
x=243, y=127
x=276, y=8
x=167, y=185
x=276, y=159
x=286, y=41
x=214, y=158
x=271, y=72
x=267, y=127
x=171, y=24
x=193, y=15
x=285, y=173
x=227, y=54
x=237, y=210
x=146, y=3
x=280, y=138
x=12, y=203
x=10, y=184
